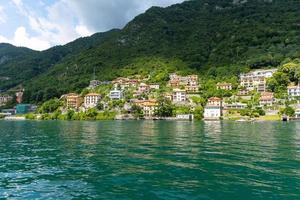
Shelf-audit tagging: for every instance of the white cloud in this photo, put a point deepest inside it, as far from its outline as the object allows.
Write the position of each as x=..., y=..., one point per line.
x=22, y=39
x=102, y=15
x=83, y=31
x=2, y=15
x=66, y=20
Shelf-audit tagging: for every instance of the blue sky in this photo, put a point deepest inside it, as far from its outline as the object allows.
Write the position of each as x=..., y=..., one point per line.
x=41, y=24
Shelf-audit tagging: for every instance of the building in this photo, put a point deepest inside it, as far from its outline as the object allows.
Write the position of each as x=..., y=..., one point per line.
x=94, y=84
x=189, y=82
x=237, y=106
x=179, y=95
x=116, y=94
x=189, y=117
x=224, y=86
x=256, y=80
x=192, y=88
x=243, y=92
x=214, y=109
x=143, y=88
x=154, y=86
x=91, y=100
x=4, y=99
x=19, y=96
x=294, y=91
x=125, y=83
x=148, y=106
x=266, y=99
x=215, y=101
x=73, y=100
x=25, y=108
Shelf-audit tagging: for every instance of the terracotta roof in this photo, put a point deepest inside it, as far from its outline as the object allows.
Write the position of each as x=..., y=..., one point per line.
x=224, y=84
x=92, y=94
x=214, y=99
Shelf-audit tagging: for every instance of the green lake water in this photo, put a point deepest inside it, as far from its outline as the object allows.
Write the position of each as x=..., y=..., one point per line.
x=149, y=160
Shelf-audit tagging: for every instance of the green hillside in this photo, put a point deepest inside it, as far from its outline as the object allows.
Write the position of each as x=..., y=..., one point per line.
x=22, y=64
x=215, y=38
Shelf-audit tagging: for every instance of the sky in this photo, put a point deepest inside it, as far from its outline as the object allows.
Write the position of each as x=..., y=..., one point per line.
x=41, y=24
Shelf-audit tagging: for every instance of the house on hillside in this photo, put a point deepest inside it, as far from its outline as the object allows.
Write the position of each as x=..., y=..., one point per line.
x=91, y=100
x=256, y=80
x=4, y=99
x=224, y=86
x=267, y=99
x=179, y=96
x=74, y=101
x=116, y=94
x=294, y=91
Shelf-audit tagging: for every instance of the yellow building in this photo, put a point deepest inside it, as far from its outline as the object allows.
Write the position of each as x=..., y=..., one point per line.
x=74, y=100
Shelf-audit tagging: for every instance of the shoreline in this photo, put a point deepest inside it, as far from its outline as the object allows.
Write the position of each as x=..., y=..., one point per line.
x=240, y=120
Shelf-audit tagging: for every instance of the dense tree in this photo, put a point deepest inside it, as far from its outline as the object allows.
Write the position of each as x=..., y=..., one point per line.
x=164, y=109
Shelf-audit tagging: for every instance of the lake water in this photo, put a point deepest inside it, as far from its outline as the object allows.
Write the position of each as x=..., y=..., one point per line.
x=149, y=160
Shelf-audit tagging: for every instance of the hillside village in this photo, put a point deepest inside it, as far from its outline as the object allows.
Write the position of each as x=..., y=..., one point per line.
x=181, y=98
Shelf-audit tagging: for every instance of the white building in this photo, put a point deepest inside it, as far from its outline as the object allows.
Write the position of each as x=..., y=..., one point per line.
x=94, y=84
x=91, y=100
x=185, y=117
x=116, y=94
x=179, y=95
x=154, y=86
x=294, y=91
x=237, y=106
x=213, y=109
x=256, y=80
x=4, y=99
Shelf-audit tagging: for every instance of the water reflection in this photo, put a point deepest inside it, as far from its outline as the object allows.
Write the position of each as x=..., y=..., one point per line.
x=149, y=160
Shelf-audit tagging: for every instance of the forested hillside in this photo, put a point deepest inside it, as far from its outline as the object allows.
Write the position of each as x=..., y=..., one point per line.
x=18, y=65
x=217, y=38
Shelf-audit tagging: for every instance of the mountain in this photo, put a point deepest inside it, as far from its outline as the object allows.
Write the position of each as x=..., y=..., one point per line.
x=18, y=65
x=214, y=38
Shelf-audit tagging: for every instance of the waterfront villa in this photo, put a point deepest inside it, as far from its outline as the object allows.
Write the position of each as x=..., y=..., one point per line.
x=256, y=80
x=294, y=91
x=189, y=117
x=224, y=86
x=116, y=94
x=73, y=100
x=91, y=100
x=213, y=109
x=266, y=99
x=148, y=106
x=179, y=96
